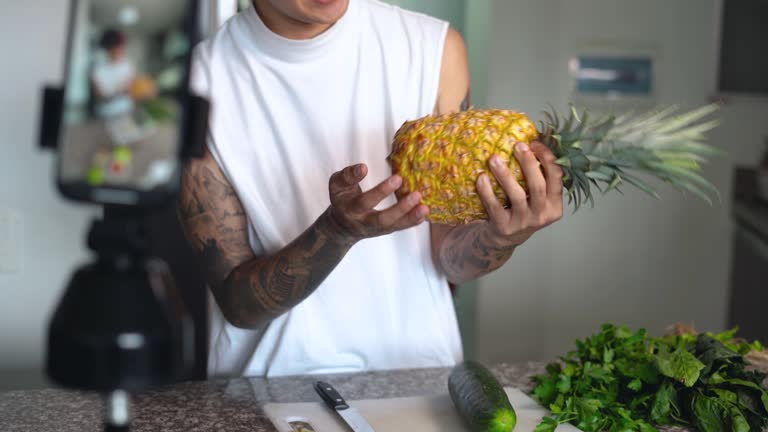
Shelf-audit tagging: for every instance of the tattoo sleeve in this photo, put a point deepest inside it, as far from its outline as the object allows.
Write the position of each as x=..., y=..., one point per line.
x=466, y=252
x=467, y=102
x=250, y=290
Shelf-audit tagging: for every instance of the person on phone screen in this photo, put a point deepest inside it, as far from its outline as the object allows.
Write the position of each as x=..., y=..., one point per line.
x=112, y=76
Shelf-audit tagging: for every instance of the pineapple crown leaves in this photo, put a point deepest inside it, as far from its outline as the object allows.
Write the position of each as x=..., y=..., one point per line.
x=612, y=151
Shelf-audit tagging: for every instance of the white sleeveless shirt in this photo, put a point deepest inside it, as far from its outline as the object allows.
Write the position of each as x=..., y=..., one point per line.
x=287, y=114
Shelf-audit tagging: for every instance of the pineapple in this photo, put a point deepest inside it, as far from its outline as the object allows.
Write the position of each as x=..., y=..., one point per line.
x=442, y=156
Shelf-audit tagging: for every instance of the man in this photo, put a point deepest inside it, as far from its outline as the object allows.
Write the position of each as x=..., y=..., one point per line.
x=113, y=75
x=313, y=265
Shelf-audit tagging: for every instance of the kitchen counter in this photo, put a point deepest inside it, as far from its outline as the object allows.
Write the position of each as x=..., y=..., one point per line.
x=225, y=405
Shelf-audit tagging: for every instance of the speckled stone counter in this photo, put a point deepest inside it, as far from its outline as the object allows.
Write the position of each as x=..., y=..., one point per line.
x=225, y=405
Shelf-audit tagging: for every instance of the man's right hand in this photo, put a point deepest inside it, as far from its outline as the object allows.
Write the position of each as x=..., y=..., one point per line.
x=352, y=210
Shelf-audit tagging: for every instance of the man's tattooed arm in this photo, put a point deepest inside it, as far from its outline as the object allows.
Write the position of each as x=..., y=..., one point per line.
x=466, y=252
x=463, y=252
x=250, y=290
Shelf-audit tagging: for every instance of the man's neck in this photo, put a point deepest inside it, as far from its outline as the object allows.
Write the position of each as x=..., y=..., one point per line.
x=286, y=26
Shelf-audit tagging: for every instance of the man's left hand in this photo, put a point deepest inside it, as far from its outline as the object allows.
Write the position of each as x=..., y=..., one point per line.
x=542, y=206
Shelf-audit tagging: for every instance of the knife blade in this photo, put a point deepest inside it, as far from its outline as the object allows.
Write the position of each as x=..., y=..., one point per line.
x=351, y=416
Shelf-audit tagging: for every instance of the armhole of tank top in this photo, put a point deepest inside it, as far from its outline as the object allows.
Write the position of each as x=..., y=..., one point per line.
x=199, y=73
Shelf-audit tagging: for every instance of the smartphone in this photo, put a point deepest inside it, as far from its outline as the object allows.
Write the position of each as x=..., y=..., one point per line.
x=126, y=89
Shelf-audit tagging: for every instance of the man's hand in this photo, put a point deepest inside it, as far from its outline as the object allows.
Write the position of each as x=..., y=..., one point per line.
x=465, y=252
x=352, y=210
x=527, y=214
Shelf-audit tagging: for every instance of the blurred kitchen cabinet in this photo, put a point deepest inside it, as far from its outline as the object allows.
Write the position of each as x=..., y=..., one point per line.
x=749, y=285
x=749, y=268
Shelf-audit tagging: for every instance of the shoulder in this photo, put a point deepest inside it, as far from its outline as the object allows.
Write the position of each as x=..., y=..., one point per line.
x=454, y=43
x=432, y=41
x=378, y=7
x=448, y=41
x=200, y=70
x=220, y=40
x=214, y=51
x=413, y=23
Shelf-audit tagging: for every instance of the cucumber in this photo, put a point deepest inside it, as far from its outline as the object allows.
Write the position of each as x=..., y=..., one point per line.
x=480, y=399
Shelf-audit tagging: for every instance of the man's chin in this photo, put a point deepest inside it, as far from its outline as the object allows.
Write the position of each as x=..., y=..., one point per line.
x=327, y=11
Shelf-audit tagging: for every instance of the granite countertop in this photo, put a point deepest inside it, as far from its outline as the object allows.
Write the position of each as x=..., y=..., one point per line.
x=232, y=405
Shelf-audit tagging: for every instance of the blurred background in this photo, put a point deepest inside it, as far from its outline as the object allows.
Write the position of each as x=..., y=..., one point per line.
x=631, y=260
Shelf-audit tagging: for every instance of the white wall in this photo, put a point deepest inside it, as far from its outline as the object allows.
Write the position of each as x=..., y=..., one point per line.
x=31, y=49
x=630, y=260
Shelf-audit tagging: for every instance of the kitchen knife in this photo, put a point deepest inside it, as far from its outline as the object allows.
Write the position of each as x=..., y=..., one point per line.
x=333, y=399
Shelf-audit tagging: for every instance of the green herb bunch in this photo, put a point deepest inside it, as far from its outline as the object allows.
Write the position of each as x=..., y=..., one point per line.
x=617, y=380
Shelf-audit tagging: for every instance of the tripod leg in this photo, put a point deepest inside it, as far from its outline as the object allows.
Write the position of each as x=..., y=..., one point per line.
x=118, y=412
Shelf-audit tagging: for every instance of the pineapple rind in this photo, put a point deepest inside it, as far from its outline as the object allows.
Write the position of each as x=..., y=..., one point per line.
x=443, y=156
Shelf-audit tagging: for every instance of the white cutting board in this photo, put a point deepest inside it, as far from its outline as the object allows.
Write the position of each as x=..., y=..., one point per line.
x=422, y=414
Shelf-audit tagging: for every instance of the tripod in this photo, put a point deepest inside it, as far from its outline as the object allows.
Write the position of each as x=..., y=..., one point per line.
x=120, y=327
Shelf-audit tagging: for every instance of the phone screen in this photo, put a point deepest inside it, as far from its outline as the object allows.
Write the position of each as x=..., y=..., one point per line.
x=126, y=79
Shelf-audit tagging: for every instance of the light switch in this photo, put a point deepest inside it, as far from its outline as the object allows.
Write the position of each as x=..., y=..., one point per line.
x=10, y=241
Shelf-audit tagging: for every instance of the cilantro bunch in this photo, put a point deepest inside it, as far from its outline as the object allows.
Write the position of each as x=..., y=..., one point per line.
x=617, y=380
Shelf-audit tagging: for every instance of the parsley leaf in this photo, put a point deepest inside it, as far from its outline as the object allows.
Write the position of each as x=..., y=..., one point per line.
x=635, y=384
x=679, y=365
x=620, y=380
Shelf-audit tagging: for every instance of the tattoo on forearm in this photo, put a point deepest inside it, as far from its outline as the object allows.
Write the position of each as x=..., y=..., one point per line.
x=250, y=290
x=272, y=285
x=467, y=253
x=466, y=103
x=214, y=220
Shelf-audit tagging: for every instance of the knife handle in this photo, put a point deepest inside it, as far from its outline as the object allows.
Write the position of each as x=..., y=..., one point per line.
x=330, y=396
